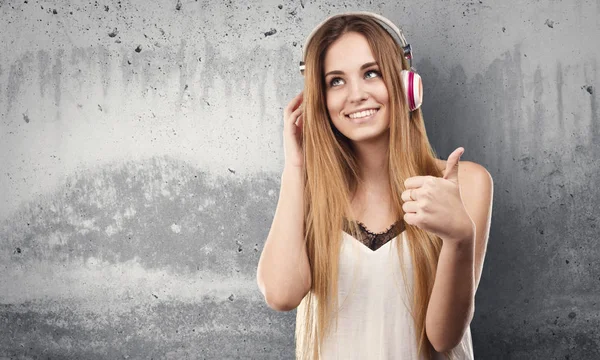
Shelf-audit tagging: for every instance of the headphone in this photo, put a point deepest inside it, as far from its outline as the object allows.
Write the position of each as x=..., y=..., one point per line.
x=411, y=81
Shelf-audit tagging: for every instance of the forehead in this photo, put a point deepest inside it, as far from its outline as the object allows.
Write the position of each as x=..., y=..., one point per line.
x=349, y=52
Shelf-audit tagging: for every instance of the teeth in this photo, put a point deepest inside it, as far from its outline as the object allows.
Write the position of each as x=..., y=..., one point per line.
x=362, y=114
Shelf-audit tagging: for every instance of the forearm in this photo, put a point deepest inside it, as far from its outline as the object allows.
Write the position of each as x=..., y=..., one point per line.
x=452, y=302
x=283, y=273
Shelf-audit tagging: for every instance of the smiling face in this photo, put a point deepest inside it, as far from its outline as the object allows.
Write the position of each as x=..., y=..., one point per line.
x=357, y=98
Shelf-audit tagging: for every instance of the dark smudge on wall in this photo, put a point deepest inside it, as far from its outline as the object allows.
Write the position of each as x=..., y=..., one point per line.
x=149, y=259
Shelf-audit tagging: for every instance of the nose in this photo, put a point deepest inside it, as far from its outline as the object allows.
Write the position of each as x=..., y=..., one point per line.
x=357, y=92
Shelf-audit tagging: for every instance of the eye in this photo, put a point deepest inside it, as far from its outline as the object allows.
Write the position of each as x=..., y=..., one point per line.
x=335, y=82
x=374, y=72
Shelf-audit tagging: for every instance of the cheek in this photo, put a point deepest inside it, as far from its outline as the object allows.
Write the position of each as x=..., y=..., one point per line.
x=382, y=95
x=334, y=105
x=335, y=119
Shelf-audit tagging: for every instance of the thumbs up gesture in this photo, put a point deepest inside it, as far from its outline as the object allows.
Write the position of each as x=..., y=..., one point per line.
x=435, y=204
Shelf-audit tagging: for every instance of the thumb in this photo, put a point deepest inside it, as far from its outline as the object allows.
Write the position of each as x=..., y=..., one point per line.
x=451, y=171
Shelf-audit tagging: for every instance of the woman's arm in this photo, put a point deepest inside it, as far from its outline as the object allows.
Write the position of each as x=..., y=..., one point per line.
x=283, y=273
x=452, y=303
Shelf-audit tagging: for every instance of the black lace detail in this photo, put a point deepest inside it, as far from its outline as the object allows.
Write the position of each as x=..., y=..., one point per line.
x=374, y=240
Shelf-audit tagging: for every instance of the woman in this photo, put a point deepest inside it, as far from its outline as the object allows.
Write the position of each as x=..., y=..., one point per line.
x=378, y=242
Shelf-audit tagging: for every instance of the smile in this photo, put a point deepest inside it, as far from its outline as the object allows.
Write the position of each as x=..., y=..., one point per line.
x=362, y=116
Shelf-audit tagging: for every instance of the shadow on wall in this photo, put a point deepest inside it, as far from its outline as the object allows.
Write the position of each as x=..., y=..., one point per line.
x=537, y=133
x=144, y=259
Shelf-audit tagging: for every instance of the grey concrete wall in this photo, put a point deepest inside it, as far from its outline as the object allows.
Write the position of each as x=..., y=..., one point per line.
x=141, y=151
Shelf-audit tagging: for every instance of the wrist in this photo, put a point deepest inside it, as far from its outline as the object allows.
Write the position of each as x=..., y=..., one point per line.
x=461, y=242
x=290, y=168
x=291, y=173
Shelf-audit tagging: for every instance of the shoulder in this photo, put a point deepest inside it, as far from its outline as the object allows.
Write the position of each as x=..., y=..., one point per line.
x=476, y=185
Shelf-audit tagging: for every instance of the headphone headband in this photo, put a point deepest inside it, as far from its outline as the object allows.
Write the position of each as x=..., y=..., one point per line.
x=384, y=22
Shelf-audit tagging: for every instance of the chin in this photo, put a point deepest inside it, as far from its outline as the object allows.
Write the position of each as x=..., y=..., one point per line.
x=366, y=135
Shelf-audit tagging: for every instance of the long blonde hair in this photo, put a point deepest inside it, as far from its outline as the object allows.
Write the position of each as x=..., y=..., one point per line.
x=331, y=174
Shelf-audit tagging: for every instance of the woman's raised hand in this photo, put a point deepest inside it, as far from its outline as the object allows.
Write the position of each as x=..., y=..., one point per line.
x=292, y=132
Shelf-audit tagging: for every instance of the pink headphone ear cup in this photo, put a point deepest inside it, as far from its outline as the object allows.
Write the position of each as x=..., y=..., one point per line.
x=413, y=89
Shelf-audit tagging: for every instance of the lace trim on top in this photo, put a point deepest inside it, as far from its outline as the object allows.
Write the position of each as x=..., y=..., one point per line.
x=374, y=240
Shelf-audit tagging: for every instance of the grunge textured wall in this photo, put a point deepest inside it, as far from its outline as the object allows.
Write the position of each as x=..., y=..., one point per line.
x=141, y=154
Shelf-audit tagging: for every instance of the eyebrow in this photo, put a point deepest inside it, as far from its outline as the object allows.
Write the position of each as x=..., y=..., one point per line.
x=339, y=72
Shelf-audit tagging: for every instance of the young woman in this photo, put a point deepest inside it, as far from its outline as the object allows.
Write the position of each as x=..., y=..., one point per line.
x=379, y=243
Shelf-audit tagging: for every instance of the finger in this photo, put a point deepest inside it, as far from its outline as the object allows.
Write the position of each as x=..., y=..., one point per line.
x=293, y=104
x=451, y=171
x=292, y=118
x=405, y=196
x=410, y=218
x=410, y=195
x=300, y=121
x=415, y=182
x=295, y=115
x=410, y=207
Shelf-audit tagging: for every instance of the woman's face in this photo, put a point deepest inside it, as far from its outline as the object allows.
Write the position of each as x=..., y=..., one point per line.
x=357, y=98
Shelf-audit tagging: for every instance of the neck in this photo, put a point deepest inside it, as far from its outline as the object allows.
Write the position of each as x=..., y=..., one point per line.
x=372, y=160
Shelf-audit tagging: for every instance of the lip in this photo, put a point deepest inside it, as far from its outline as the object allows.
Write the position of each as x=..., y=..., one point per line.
x=362, y=109
x=363, y=119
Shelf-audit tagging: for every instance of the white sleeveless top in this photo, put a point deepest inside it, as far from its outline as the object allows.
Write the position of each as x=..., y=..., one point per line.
x=374, y=320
